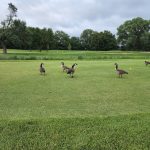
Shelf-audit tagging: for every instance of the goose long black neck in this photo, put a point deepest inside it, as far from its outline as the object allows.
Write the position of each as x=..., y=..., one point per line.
x=73, y=66
x=41, y=65
x=116, y=66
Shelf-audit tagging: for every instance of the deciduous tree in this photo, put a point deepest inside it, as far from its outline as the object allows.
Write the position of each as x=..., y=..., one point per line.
x=130, y=33
x=6, y=31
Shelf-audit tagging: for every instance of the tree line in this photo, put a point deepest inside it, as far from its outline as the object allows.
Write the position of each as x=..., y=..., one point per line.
x=131, y=35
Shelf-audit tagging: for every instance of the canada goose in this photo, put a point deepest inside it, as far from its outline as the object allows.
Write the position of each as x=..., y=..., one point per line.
x=71, y=70
x=65, y=68
x=42, y=69
x=119, y=71
x=147, y=63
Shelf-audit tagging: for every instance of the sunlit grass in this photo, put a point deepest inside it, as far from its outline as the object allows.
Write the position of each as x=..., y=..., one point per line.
x=95, y=89
x=93, y=110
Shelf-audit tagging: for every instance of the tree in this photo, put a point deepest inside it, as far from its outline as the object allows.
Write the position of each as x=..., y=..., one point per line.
x=96, y=41
x=145, y=41
x=46, y=38
x=69, y=47
x=86, y=38
x=130, y=33
x=93, y=40
x=108, y=40
x=19, y=38
x=75, y=43
x=5, y=32
x=35, y=34
x=61, y=40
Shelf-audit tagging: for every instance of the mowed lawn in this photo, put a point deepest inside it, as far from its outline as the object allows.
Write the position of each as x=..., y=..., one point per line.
x=72, y=55
x=93, y=110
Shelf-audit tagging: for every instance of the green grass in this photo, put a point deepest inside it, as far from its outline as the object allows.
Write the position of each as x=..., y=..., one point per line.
x=94, y=91
x=120, y=132
x=93, y=110
x=71, y=55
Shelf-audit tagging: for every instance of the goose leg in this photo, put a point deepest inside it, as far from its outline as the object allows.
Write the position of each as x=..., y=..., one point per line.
x=71, y=75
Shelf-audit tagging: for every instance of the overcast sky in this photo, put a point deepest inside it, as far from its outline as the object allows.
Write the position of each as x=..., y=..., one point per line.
x=73, y=16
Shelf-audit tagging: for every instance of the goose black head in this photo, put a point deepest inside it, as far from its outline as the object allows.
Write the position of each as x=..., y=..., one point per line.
x=62, y=63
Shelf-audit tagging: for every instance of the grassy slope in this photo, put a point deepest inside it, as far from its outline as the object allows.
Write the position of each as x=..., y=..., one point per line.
x=86, y=112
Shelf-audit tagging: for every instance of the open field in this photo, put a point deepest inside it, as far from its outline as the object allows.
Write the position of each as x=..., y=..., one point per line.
x=69, y=55
x=93, y=110
x=95, y=90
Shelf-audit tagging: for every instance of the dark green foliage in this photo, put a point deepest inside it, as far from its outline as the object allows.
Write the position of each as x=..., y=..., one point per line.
x=133, y=34
x=86, y=39
x=61, y=40
x=46, y=39
x=98, y=41
x=76, y=43
x=19, y=38
x=145, y=41
x=6, y=31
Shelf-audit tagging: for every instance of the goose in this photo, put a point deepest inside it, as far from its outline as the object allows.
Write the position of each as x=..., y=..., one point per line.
x=147, y=63
x=71, y=70
x=119, y=71
x=64, y=68
x=42, y=69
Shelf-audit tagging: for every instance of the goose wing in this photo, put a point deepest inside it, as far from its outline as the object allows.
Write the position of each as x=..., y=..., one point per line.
x=122, y=71
x=42, y=69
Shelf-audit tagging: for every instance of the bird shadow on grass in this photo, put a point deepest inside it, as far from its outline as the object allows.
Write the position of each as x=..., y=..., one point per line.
x=122, y=78
x=69, y=77
x=43, y=75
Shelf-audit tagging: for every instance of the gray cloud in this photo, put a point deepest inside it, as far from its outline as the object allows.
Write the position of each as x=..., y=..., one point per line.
x=73, y=16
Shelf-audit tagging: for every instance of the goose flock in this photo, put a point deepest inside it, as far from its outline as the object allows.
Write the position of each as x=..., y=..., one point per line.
x=71, y=70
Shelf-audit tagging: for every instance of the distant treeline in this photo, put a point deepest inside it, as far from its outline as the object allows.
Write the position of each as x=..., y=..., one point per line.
x=131, y=35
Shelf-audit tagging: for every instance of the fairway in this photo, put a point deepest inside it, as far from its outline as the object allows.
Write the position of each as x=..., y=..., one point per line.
x=95, y=101
x=94, y=91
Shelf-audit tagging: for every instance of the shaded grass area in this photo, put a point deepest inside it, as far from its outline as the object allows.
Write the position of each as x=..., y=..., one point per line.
x=69, y=55
x=121, y=132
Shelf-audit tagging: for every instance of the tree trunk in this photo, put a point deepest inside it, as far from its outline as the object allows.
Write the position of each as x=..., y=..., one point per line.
x=4, y=48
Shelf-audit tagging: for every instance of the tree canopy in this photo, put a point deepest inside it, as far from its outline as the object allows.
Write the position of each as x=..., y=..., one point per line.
x=6, y=27
x=133, y=33
x=14, y=33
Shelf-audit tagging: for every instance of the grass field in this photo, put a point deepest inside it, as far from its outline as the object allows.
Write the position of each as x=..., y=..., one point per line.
x=70, y=55
x=93, y=110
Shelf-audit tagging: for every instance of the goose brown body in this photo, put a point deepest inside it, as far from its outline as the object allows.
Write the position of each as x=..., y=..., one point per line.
x=119, y=71
x=42, y=69
x=64, y=68
x=147, y=63
x=71, y=70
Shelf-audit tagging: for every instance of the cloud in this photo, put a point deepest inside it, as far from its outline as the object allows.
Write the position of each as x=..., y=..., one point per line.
x=73, y=16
